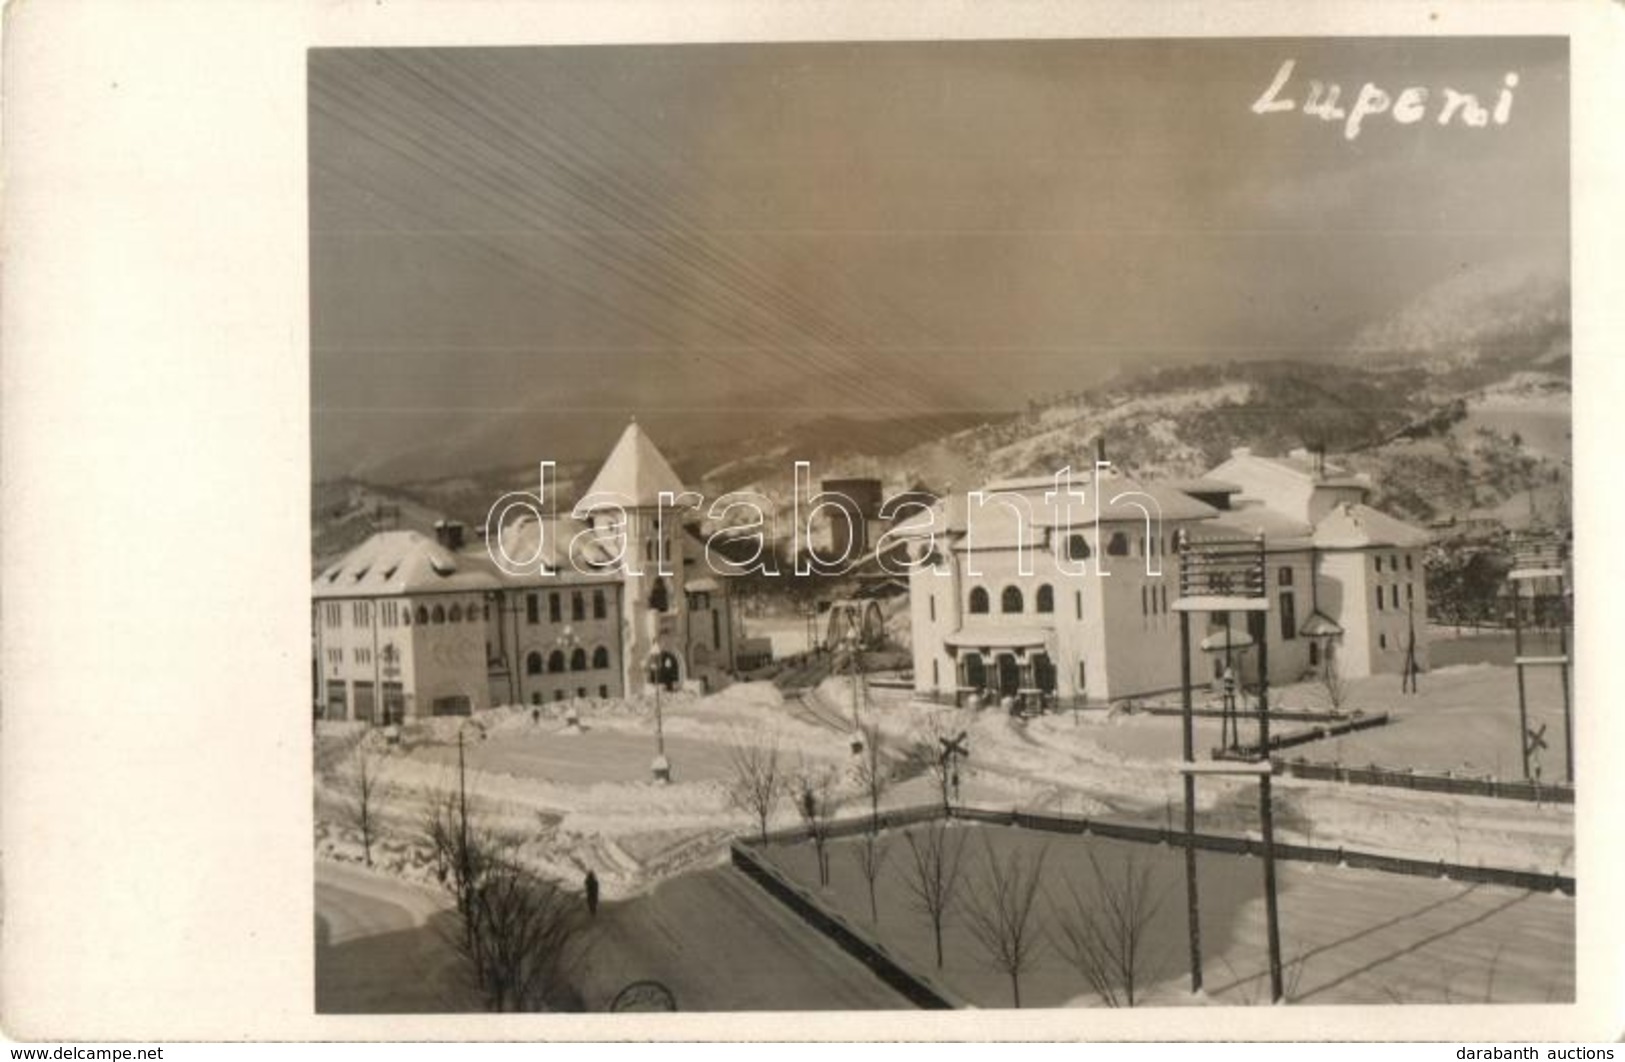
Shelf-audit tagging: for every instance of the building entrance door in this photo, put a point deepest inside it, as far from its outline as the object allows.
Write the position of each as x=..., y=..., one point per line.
x=1009, y=675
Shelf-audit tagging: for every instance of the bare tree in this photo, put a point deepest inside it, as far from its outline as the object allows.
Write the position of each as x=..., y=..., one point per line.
x=874, y=772
x=521, y=935
x=936, y=855
x=1102, y=932
x=816, y=803
x=530, y=931
x=1000, y=912
x=870, y=854
x=364, y=789
x=757, y=782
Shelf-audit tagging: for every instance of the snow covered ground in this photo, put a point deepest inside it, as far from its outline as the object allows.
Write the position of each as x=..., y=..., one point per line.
x=1348, y=936
x=581, y=797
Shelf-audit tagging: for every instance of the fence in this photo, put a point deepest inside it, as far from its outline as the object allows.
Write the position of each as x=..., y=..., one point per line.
x=1303, y=737
x=1059, y=822
x=1408, y=778
x=911, y=986
x=919, y=990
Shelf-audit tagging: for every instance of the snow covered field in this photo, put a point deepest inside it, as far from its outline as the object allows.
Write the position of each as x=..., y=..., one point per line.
x=581, y=797
x=1348, y=936
x=1465, y=719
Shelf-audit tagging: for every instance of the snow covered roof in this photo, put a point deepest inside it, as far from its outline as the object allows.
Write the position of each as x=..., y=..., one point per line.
x=558, y=544
x=402, y=562
x=635, y=473
x=1352, y=526
x=1319, y=625
x=1204, y=485
x=1251, y=517
x=1302, y=464
x=998, y=521
x=991, y=636
x=1224, y=636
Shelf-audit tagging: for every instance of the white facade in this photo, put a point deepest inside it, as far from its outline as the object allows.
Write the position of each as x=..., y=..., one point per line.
x=433, y=629
x=1106, y=631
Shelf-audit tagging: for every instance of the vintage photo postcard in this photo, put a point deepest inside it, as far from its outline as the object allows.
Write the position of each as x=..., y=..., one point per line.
x=1059, y=524
x=990, y=523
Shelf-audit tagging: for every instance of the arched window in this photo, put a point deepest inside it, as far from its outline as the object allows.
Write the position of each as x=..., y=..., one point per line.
x=600, y=658
x=598, y=609
x=659, y=596
x=533, y=664
x=423, y=614
x=1046, y=598
x=438, y=615
x=555, y=661
x=406, y=616
x=1118, y=544
x=578, y=606
x=1077, y=548
x=578, y=660
x=1011, y=600
x=978, y=600
x=1314, y=654
x=455, y=615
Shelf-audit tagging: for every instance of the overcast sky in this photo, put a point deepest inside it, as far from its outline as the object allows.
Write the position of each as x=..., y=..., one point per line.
x=532, y=244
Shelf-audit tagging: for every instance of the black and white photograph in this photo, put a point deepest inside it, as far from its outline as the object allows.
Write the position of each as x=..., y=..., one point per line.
x=549, y=525
x=984, y=524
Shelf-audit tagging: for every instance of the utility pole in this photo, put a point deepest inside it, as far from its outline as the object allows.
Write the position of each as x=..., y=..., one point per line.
x=1188, y=729
x=465, y=868
x=1266, y=815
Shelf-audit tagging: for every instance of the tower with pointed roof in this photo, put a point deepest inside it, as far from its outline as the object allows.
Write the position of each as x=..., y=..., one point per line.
x=632, y=505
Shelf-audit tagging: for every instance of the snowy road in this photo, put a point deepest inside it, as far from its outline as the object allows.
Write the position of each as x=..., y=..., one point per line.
x=712, y=937
x=720, y=943
x=379, y=947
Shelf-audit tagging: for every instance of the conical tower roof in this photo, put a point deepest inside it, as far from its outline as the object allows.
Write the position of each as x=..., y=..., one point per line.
x=635, y=472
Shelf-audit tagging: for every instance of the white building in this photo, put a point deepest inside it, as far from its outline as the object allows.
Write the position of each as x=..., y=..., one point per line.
x=409, y=626
x=1087, y=615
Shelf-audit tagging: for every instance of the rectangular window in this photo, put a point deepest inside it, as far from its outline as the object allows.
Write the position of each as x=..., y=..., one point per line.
x=1284, y=577
x=555, y=607
x=1382, y=641
x=932, y=604
x=1378, y=561
x=1410, y=594
x=1078, y=601
x=1144, y=610
x=603, y=691
x=1393, y=561
x=1408, y=566
x=1164, y=589
x=716, y=630
x=936, y=674
x=1289, y=617
x=1379, y=599
x=1394, y=595
x=533, y=609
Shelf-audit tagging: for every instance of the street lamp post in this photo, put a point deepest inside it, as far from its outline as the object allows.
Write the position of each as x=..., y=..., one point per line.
x=567, y=643
x=661, y=767
x=856, y=662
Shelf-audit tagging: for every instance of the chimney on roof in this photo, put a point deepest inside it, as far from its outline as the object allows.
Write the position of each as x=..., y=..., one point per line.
x=449, y=533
